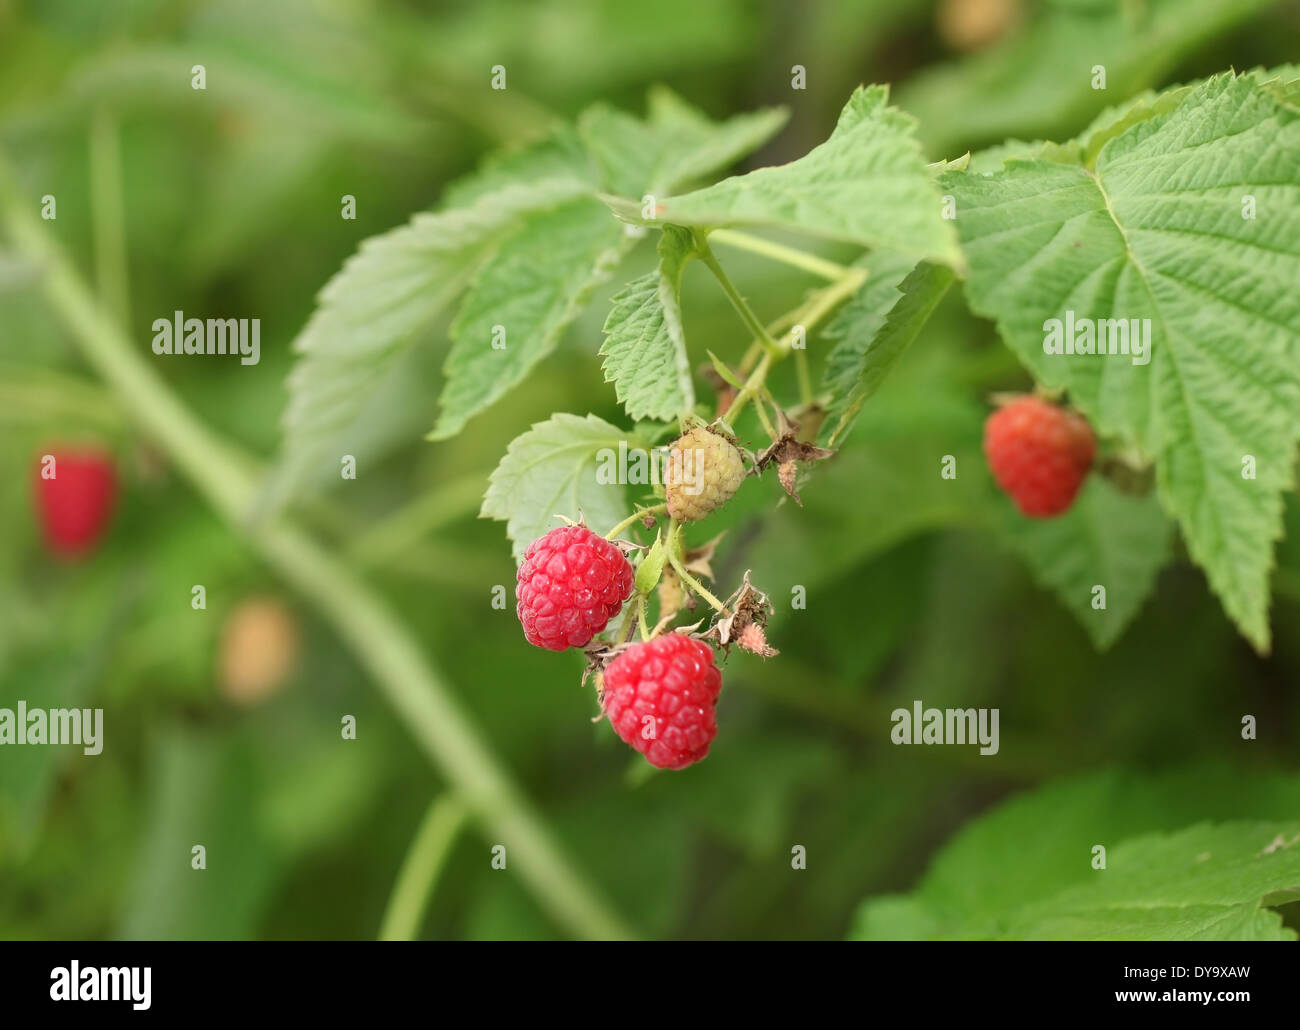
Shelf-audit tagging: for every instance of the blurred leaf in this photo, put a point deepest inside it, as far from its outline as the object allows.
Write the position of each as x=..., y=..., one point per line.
x=645, y=347
x=1038, y=80
x=866, y=184
x=1039, y=846
x=552, y=470
x=720, y=792
x=1107, y=539
x=256, y=797
x=52, y=656
x=1153, y=232
x=202, y=788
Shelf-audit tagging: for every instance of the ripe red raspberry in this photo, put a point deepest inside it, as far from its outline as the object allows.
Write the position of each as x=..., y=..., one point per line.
x=570, y=584
x=660, y=698
x=1039, y=454
x=75, y=489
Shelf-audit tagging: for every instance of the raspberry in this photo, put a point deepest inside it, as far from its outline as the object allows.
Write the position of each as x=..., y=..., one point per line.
x=76, y=489
x=259, y=650
x=704, y=472
x=570, y=584
x=660, y=698
x=1039, y=454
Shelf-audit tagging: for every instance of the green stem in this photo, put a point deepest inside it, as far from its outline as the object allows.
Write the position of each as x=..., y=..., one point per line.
x=108, y=216
x=746, y=313
x=360, y=617
x=636, y=516
x=818, y=306
x=760, y=409
x=419, y=873
x=805, y=379
x=778, y=252
x=642, y=627
x=690, y=580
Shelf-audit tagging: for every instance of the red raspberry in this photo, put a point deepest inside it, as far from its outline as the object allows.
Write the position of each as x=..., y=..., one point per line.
x=76, y=501
x=570, y=584
x=1039, y=454
x=660, y=697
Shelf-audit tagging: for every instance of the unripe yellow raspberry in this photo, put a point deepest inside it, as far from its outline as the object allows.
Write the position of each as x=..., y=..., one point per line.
x=704, y=472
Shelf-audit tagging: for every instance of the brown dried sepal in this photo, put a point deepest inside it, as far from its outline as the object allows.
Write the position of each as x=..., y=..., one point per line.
x=749, y=609
x=785, y=453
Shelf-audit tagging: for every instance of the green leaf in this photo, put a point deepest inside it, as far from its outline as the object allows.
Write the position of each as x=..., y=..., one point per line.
x=1031, y=857
x=645, y=347
x=559, y=157
x=1209, y=882
x=867, y=184
x=388, y=296
x=874, y=329
x=674, y=146
x=651, y=567
x=552, y=470
x=529, y=290
x=1155, y=231
x=1106, y=539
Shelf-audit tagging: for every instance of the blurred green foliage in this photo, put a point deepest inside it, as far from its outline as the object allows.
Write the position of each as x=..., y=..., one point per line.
x=231, y=201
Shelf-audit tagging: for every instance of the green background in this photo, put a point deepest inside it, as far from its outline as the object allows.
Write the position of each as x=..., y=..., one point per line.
x=231, y=206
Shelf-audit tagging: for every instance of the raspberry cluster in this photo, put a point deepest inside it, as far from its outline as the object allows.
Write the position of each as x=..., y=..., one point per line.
x=659, y=694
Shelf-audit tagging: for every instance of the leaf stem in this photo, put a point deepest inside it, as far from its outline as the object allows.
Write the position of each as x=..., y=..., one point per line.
x=424, y=860
x=635, y=517
x=690, y=580
x=808, y=315
x=805, y=380
x=746, y=313
x=830, y=270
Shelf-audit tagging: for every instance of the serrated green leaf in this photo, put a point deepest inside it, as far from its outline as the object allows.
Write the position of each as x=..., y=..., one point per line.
x=531, y=288
x=559, y=157
x=552, y=470
x=1115, y=122
x=874, y=328
x=645, y=346
x=867, y=184
x=674, y=146
x=387, y=296
x=1208, y=882
x=1156, y=232
x=1107, y=539
x=1031, y=857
